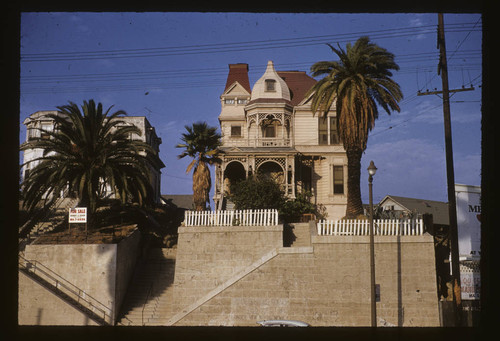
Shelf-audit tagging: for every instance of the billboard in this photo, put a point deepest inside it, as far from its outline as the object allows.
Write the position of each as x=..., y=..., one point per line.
x=469, y=239
x=468, y=220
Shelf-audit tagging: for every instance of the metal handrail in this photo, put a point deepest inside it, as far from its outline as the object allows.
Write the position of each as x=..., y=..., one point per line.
x=145, y=302
x=62, y=283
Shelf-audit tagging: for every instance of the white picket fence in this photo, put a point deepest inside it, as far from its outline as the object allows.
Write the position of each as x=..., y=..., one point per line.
x=382, y=227
x=231, y=218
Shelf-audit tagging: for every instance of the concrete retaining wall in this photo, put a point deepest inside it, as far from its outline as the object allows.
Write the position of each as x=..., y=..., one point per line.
x=103, y=271
x=327, y=284
x=208, y=256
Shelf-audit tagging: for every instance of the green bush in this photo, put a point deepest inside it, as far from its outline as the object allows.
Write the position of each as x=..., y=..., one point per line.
x=256, y=193
x=292, y=210
x=264, y=193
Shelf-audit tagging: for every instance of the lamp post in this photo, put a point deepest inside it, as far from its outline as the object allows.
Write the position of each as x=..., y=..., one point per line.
x=371, y=171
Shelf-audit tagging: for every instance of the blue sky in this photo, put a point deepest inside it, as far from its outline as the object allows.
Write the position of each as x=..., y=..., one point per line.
x=172, y=68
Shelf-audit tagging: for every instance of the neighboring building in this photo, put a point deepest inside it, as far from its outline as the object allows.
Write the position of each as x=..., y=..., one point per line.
x=271, y=129
x=39, y=120
x=402, y=207
x=181, y=201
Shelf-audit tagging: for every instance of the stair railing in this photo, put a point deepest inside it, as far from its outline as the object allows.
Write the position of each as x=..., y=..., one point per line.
x=146, y=301
x=67, y=288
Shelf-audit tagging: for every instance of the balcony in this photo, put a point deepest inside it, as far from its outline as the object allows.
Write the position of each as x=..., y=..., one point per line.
x=270, y=142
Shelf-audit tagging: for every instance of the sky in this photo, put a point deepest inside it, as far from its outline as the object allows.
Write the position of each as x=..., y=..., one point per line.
x=172, y=66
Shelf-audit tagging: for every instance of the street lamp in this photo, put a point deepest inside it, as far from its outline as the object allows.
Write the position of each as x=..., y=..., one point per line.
x=371, y=171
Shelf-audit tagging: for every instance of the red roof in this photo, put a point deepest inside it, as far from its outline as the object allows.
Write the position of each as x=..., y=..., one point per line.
x=298, y=82
x=238, y=73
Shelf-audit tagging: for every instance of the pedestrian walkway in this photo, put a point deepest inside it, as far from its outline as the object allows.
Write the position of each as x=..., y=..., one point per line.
x=149, y=297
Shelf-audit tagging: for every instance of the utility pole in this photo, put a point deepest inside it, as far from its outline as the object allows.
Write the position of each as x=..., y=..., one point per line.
x=450, y=175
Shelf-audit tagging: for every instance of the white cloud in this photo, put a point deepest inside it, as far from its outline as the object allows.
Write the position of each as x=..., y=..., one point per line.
x=416, y=20
x=416, y=168
x=412, y=167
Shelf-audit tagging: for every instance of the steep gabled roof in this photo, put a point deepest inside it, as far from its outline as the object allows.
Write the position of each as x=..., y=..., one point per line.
x=238, y=73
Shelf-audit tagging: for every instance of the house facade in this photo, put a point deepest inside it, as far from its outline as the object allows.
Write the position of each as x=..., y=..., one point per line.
x=403, y=207
x=270, y=129
x=40, y=120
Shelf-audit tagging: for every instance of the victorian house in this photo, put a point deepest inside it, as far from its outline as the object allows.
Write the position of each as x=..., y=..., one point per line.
x=270, y=129
x=39, y=120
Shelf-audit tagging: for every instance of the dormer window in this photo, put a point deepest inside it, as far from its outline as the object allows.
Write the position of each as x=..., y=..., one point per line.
x=229, y=101
x=270, y=85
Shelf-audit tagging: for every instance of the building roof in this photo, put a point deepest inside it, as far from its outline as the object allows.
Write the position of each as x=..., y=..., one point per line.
x=299, y=83
x=280, y=88
x=184, y=201
x=438, y=209
x=238, y=73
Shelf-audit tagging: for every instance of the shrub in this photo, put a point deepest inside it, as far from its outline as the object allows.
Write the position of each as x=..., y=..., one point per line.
x=256, y=193
x=264, y=193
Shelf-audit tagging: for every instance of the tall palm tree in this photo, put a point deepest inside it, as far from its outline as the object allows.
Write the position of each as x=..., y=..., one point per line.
x=357, y=83
x=88, y=151
x=201, y=142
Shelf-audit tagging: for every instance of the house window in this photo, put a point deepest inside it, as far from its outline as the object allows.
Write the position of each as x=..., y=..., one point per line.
x=236, y=131
x=229, y=101
x=327, y=131
x=270, y=85
x=338, y=179
x=46, y=127
x=323, y=130
x=26, y=173
x=33, y=134
x=242, y=101
x=334, y=134
x=270, y=131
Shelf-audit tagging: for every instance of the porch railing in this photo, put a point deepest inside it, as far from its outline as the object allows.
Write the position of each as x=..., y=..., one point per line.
x=264, y=217
x=382, y=227
x=270, y=142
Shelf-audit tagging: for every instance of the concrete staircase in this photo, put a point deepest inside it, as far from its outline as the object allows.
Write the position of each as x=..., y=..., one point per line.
x=302, y=234
x=229, y=204
x=58, y=212
x=149, y=297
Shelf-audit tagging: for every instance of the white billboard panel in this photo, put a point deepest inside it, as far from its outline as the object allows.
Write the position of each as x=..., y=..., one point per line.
x=468, y=220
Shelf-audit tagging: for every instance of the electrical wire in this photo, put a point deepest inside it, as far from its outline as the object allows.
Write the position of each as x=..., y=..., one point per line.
x=236, y=46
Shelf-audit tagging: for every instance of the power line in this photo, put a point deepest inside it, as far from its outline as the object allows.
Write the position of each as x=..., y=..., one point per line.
x=230, y=47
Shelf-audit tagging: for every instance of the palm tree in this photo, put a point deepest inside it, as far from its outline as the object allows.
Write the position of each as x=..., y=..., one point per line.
x=357, y=83
x=85, y=153
x=201, y=142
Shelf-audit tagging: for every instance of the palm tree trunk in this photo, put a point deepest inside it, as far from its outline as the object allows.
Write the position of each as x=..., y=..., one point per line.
x=201, y=186
x=354, y=203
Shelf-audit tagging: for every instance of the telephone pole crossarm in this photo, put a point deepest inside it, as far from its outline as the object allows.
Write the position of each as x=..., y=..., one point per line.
x=419, y=93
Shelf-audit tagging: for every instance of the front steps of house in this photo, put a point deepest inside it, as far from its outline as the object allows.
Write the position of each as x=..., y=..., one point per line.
x=301, y=235
x=149, y=297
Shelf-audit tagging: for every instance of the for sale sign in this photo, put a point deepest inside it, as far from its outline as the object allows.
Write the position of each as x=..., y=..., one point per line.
x=78, y=215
